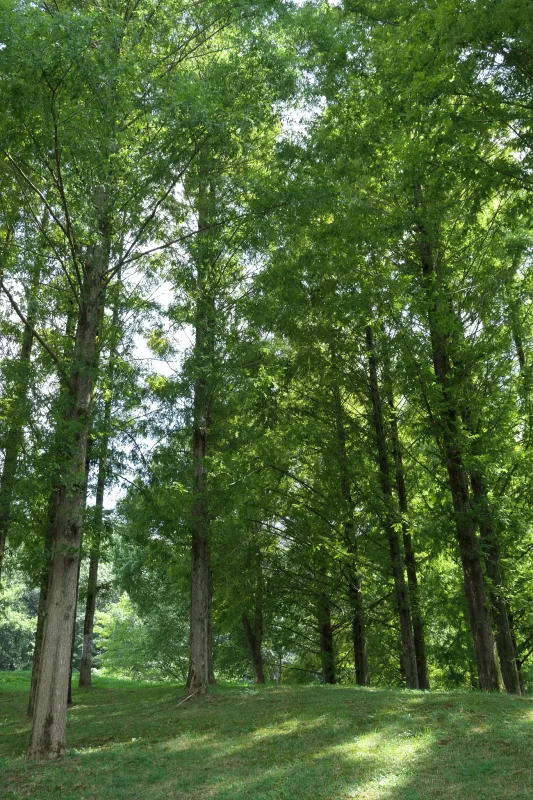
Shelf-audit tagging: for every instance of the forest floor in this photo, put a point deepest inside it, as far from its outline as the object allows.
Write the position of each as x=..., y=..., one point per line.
x=138, y=741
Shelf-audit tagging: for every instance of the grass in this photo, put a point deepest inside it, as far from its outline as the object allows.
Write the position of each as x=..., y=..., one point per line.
x=134, y=741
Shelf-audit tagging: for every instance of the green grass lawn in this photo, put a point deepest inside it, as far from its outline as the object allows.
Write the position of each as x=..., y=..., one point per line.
x=134, y=741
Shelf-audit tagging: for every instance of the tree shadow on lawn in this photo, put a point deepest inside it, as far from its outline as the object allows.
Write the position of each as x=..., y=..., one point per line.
x=274, y=744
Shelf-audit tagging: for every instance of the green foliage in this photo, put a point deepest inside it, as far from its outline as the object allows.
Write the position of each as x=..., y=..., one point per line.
x=18, y=608
x=150, y=648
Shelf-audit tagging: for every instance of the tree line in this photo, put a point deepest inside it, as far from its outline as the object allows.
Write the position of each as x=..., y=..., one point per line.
x=265, y=271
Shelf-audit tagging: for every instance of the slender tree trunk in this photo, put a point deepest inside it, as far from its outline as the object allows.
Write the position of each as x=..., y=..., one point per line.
x=525, y=398
x=355, y=593
x=524, y=386
x=446, y=412
x=254, y=637
x=390, y=519
x=85, y=678
x=73, y=637
x=355, y=584
x=498, y=603
x=15, y=435
x=212, y=679
x=325, y=630
x=409, y=552
x=201, y=631
x=48, y=737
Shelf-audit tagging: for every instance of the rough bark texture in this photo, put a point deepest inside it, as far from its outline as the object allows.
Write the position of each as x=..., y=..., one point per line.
x=447, y=416
x=48, y=737
x=355, y=586
x=254, y=637
x=201, y=634
x=389, y=521
x=325, y=630
x=409, y=552
x=41, y=613
x=47, y=538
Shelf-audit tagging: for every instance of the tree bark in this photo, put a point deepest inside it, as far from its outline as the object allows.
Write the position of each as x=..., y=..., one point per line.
x=201, y=631
x=498, y=603
x=355, y=584
x=41, y=613
x=325, y=630
x=441, y=322
x=254, y=637
x=48, y=737
x=410, y=558
x=47, y=538
x=355, y=593
x=390, y=522
x=85, y=678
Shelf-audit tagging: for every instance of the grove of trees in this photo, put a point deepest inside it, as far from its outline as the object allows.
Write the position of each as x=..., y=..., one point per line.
x=266, y=344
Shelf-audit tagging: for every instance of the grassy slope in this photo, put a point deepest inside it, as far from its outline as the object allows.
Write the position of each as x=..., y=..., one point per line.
x=134, y=741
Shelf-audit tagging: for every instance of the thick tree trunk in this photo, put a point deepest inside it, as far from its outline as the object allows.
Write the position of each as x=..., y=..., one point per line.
x=325, y=630
x=254, y=637
x=446, y=413
x=47, y=538
x=41, y=613
x=390, y=519
x=410, y=559
x=355, y=584
x=201, y=631
x=48, y=737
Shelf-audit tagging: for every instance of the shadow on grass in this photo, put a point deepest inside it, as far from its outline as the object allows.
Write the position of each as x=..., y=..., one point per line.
x=136, y=742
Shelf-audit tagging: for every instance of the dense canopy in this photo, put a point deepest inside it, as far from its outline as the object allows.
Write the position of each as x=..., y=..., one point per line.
x=266, y=344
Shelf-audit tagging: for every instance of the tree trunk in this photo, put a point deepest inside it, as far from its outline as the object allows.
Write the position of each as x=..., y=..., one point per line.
x=389, y=521
x=362, y=675
x=15, y=433
x=85, y=678
x=47, y=538
x=73, y=637
x=355, y=584
x=441, y=323
x=498, y=603
x=254, y=637
x=41, y=613
x=48, y=737
x=525, y=397
x=201, y=631
x=327, y=653
x=410, y=559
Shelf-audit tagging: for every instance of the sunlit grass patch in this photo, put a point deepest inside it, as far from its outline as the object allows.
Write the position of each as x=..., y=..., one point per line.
x=135, y=741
